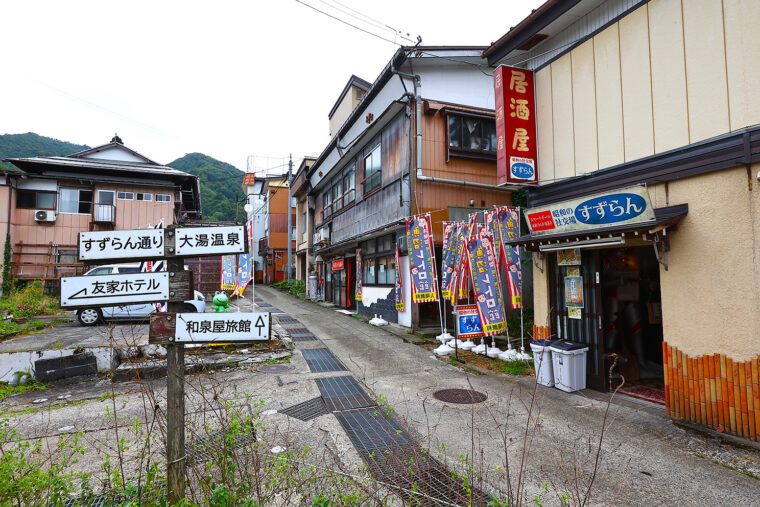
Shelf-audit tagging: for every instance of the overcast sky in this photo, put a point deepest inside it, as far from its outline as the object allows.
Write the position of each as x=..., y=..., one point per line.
x=228, y=79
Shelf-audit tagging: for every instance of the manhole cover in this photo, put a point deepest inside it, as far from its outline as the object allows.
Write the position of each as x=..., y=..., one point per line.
x=273, y=368
x=460, y=396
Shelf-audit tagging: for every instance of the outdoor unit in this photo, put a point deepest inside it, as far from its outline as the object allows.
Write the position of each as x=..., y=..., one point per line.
x=324, y=235
x=42, y=215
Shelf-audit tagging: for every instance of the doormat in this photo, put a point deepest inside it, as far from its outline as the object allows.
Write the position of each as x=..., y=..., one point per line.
x=652, y=394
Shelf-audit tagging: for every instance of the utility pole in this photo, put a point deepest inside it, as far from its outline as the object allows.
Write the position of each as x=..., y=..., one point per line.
x=290, y=213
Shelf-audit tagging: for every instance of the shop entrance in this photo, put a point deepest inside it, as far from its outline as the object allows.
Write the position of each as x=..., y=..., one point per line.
x=609, y=299
x=339, y=288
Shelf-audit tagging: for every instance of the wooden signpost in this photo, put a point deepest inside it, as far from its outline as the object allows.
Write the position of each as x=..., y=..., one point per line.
x=174, y=328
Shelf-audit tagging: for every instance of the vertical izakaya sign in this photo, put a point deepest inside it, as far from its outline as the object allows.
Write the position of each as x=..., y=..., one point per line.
x=485, y=283
x=516, y=153
x=399, y=289
x=447, y=258
x=509, y=230
x=358, y=295
x=421, y=266
x=227, y=281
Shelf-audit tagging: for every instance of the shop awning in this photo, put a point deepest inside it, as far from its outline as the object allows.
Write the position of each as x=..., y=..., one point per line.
x=664, y=218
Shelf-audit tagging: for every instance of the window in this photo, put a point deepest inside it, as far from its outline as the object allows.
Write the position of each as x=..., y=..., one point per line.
x=126, y=196
x=303, y=221
x=337, y=191
x=75, y=200
x=129, y=269
x=379, y=261
x=472, y=135
x=101, y=271
x=349, y=192
x=34, y=199
x=372, y=170
x=327, y=199
x=163, y=198
x=144, y=197
x=293, y=232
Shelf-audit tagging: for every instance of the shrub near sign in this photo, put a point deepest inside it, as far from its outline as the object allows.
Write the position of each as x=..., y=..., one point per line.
x=628, y=205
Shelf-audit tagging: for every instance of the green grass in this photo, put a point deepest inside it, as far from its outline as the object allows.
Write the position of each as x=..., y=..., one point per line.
x=517, y=368
x=34, y=410
x=107, y=396
x=6, y=390
x=281, y=360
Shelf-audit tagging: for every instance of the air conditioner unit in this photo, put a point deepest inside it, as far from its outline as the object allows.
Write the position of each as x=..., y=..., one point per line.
x=42, y=215
x=324, y=234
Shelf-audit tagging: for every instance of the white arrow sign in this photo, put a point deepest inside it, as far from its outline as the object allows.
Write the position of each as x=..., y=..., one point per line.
x=131, y=244
x=222, y=327
x=210, y=240
x=108, y=290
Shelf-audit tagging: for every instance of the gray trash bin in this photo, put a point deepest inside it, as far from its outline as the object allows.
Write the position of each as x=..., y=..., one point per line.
x=569, y=365
x=542, y=361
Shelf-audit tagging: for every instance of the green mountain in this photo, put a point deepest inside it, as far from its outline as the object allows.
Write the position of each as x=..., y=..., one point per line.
x=221, y=185
x=33, y=145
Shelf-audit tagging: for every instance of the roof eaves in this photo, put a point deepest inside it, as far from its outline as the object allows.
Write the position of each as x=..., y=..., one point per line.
x=527, y=28
x=103, y=147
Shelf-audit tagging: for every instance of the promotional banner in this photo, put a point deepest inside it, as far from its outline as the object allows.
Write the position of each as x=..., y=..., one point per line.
x=492, y=225
x=447, y=257
x=516, y=151
x=468, y=322
x=245, y=263
x=399, y=290
x=457, y=263
x=620, y=207
x=509, y=230
x=485, y=283
x=228, y=272
x=421, y=266
x=359, y=274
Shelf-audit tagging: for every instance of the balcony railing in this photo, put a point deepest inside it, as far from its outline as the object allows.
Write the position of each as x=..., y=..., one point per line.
x=105, y=213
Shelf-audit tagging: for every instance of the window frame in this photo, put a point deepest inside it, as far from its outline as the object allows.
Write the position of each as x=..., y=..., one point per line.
x=125, y=198
x=466, y=151
x=79, y=201
x=373, y=181
x=144, y=194
x=168, y=198
x=36, y=194
x=374, y=259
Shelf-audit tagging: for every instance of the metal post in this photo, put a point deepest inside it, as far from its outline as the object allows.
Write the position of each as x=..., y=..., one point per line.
x=175, y=401
x=290, y=213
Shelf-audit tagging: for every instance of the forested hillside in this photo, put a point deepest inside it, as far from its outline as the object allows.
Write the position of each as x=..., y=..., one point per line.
x=34, y=145
x=220, y=185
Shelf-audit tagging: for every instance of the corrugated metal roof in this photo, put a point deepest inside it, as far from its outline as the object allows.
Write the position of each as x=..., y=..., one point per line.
x=112, y=165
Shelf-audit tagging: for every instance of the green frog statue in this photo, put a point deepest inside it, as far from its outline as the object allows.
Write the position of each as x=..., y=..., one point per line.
x=220, y=303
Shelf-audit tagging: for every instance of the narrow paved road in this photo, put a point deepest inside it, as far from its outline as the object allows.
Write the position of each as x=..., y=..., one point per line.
x=645, y=458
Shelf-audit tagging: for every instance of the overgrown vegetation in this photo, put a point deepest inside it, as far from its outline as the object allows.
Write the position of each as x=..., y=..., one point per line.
x=7, y=265
x=34, y=145
x=7, y=390
x=29, y=301
x=296, y=288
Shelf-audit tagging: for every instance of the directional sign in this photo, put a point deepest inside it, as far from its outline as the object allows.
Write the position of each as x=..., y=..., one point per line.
x=194, y=241
x=210, y=327
x=107, y=290
x=131, y=244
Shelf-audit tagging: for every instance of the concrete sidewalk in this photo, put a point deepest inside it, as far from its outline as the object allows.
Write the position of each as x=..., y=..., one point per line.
x=645, y=458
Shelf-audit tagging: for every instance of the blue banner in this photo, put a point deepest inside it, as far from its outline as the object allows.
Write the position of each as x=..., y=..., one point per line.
x=509, y=230
x=447, y=257
x=243, y=273
x=228, y=272
x=485, y=283
x=421, y=267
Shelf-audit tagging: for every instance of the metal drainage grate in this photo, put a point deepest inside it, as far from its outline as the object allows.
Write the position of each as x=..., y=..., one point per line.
x=203, y=449
x=287, y=319
x=263, y=304
x=272, y=309
x=321, y=360
x=306, y=337
x=308, y=410
x=460, y=396
x=273, y=368
x=298, y=330
x=343, y=393
x=371, y=431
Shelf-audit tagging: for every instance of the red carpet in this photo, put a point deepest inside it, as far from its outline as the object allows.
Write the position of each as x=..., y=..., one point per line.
x=653, y=393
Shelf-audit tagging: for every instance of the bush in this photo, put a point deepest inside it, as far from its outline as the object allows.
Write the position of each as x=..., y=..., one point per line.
x=29, y=301
x=296, y=288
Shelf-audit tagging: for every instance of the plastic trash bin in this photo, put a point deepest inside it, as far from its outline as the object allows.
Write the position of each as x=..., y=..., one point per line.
x=569, y=365
x=542, y=361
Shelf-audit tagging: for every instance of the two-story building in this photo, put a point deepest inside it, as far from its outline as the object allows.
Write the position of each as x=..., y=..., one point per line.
x=108, y=187
x=304, y=222
x=648, y=124
x=420, y=140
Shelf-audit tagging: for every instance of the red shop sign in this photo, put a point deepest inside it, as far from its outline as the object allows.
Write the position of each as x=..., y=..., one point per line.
x=337, y=264
x=516, y=153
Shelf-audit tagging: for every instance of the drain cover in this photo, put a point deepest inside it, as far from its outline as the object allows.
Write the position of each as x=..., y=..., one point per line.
x=273, y=368
x=460, y=396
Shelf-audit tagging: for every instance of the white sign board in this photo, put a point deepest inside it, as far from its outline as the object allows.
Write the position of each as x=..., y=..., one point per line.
x=108, y=290
x=222, y=327
x=209, y=240
x=619, y=207
x=131, y=244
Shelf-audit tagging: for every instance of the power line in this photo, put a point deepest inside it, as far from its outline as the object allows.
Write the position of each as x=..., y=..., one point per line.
x=369, y=19
x=347, y=23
